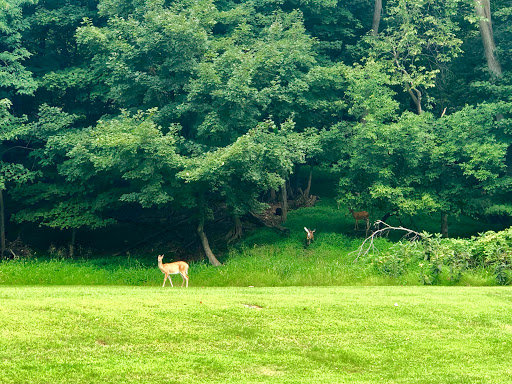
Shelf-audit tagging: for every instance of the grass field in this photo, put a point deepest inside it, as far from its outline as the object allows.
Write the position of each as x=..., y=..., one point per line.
x=255, y=335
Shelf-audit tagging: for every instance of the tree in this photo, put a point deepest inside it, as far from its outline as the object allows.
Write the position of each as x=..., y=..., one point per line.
x=418, y=39
x=452, y=165
x=248, y=76
x=50, y=198
x=14, y=77
x=468, y=170
x=236, y=175
x=146, y=55
x=12, y=172
x=63, y=70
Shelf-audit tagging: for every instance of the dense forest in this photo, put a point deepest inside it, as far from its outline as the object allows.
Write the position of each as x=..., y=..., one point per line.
x=175, y=114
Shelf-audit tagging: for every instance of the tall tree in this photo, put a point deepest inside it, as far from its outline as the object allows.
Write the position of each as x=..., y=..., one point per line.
x=146, y=55
x=236, y=175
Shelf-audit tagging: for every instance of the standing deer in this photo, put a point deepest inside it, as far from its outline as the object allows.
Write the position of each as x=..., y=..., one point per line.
x=362, y=215
x=169, y=269
x=310, y=236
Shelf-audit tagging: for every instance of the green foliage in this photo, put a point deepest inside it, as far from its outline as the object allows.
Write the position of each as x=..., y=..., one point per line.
x=494, y=249
x=251, y=74
x=396, y=260
x=258, y=161
x=447, y=261
x=421, y=164
x=14, y=77
x=147, y=57
x=419, y=38
x=451, y=257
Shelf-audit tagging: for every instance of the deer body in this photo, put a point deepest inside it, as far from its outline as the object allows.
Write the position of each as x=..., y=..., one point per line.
x=310, y=235
x=169, y=269
x=362, y=215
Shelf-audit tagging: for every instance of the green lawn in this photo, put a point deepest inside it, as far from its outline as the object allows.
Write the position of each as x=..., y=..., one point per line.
x=221, y=335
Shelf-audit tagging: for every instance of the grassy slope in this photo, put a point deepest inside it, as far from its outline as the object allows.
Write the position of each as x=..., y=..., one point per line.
x=301, y=334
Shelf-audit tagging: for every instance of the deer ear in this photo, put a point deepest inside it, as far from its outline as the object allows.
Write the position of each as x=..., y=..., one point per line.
x=306, y=230
x=313, y=230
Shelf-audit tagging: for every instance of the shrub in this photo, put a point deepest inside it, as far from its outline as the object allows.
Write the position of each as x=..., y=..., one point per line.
x=451, y=257
x=395, y=261
x=494, y=249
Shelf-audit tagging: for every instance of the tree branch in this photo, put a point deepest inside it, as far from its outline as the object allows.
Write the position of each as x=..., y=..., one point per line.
x=368, y=243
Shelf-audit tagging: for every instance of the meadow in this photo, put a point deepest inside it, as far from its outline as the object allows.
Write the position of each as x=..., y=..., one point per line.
x=253, y=335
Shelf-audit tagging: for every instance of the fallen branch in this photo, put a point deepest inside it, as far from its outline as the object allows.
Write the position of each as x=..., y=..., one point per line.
x=368, y=243
x=258, y=220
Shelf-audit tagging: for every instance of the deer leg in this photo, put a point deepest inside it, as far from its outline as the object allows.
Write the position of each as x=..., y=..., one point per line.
x=165, y=278
x=169, y=276
x=184, y=278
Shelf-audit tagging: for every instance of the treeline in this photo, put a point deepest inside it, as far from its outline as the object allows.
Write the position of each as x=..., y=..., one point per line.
x=111, y=109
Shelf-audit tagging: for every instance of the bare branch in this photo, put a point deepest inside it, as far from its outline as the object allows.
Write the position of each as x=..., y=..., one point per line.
x=368, y=243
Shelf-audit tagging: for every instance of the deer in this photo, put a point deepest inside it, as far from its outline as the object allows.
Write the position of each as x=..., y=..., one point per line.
x=310, y=236
x=169, y=269
x=362, y=215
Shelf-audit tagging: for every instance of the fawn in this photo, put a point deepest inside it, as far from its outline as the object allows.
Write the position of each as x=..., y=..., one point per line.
x=310, y=236
x=169, y=269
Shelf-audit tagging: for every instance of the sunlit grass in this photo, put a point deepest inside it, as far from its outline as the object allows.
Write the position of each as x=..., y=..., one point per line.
x=254, y=335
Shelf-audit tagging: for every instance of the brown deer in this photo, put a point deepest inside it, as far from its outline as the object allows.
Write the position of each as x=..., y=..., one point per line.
x=362, y=215
x=310, y=236
x=169, y=269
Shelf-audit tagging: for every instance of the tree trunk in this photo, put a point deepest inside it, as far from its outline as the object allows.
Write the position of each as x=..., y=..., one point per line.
x=235, y=232
x=444, y=224
x=272, y=195
x=284, y=197
x=204, y=241
x=2, y=225
x=416, y=98
x=377, y=11
x=72, y=243
x=483, y=11
x=308, y=188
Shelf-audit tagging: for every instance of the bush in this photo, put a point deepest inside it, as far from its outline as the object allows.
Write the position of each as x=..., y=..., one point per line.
x=396, y=260
x=494, y=249
x=448, y=257
x=446, y=260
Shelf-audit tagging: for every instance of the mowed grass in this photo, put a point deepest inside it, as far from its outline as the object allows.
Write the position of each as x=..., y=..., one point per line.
x=115, y=334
